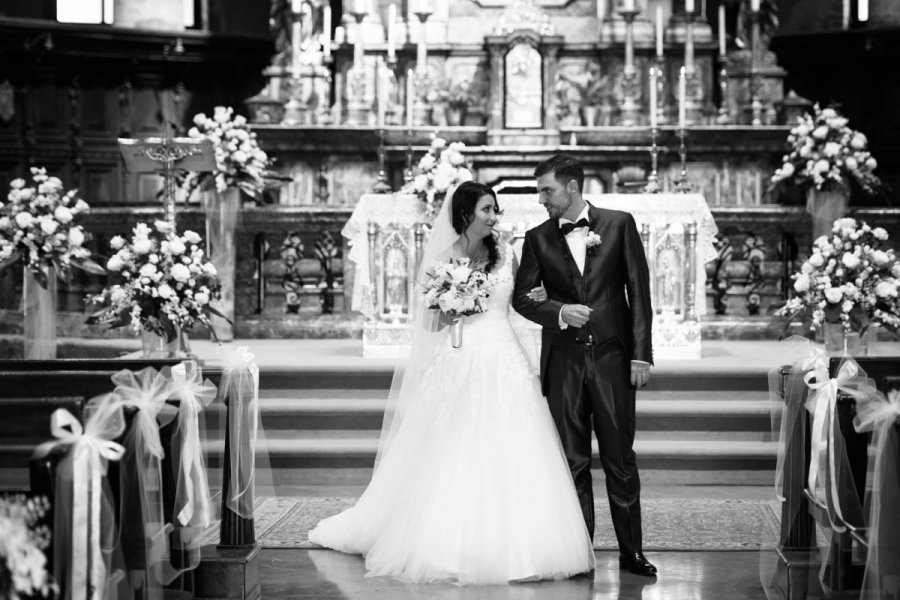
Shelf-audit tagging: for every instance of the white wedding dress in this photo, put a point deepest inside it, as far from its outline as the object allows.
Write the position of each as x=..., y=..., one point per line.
x=475, y=488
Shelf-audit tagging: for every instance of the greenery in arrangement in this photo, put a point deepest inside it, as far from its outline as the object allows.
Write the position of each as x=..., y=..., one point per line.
x=166, y=284
x=23, y=565
x=827, y=154
x=240, y=162
x=852, y=277
x=38, y=228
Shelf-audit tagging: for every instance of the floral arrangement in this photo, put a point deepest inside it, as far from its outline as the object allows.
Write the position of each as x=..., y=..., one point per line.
x=166, y=284
x=38, y=229
x=456, y=289
x=239, y=160
x=824, y=151
x=592, y=240
x=23, y=571
x=442, y=167
x=851, y=278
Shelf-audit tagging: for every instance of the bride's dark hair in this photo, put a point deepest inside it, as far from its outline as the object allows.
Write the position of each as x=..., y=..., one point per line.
x=462, y=211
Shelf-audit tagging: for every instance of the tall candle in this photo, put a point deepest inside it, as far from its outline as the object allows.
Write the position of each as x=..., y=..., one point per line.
x=391, y=32
x=722, y=49
x=409, y=97
x=754, y=5
x=382, y=93
x=326, y=31
x=421, y=50
x=689, y=6
x=601, y=10
x=295, y=48
x=659, y=31
x=862, y=11
x=653, y=97
x=628, y=4
x=682, y=92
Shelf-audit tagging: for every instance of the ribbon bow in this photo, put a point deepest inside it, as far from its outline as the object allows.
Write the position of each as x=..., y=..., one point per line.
x=824, y=440
x=240, y=389
x=192, y=492
x=92, y=446
x=567, y=228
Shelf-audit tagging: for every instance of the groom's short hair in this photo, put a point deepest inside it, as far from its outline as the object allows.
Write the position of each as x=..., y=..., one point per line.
x=564, y=169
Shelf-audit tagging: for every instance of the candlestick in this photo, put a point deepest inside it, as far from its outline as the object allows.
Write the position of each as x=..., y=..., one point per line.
x=722, y=48
x=326, y=32
x=408, y=176
x=391, y=33
x=659, y=32
x=755, y=83
x=682, y=85
x=682, y=185
x=724, y=116
x=689, y=6
x=652, y=186
x=381, y=184
x=630, y=109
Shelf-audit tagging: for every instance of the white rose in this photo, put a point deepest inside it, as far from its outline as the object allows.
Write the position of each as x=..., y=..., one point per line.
x=427, y=162
x=456, y=159
x=834, y=295
x=802, y=129
x=438, y=143
x=162, y=226
x=804, y=151
x=199, y=119
x=801, y=284
x=201, y=298
x=806, y=268
x=829, y=113
x=851, y=261
x=821, y=166
x=820, y=132
x=858, y=142
x=851, y=163
x=117, y=242
x=880, y=258
x=209, y=269
x=420, y=183
x=239, y=156
x=80, y=206
x=464, y=175
x=5, y=222
x=192, y=236
x=871, y=163
x=895, y=270
x=24, y=220
x=17, y=183
x=115, y=263
x=880, y=233
x=142, y=246
x=885, y=289
x=816, y=260
x=221, y=114
x=441, y=182
x=176, y=247
x=148, y=270
x=166, y=291
x=117, y=295
x=832, y=149
x=787, y=169
x=76, y=236
x=62, y=214
x=49, y=226
x=180, y=273
x=837, y=122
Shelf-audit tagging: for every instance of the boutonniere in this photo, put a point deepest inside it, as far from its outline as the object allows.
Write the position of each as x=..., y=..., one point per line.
x=592, y=240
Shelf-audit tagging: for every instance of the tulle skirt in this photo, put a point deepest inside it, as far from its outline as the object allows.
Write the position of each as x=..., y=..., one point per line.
x=475, y=488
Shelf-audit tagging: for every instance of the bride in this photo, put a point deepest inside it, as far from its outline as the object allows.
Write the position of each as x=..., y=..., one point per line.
x=471, y=485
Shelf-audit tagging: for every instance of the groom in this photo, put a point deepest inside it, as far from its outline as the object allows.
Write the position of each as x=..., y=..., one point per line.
x=596, y=347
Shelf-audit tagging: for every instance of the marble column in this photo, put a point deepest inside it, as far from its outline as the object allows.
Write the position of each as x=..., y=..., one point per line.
x=165, y=15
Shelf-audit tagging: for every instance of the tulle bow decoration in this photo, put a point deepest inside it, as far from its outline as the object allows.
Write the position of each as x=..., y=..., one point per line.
x=192, y=505
x=84, y=529
x=881, y=415
x=142, y=517
x=240, y=389
x=827, y=454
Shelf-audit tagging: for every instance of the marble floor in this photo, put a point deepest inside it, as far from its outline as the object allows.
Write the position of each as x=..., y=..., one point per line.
x=325, y=574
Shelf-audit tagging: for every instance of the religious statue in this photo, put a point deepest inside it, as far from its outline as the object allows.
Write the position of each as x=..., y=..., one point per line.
x=668, y=281
x=395, y=281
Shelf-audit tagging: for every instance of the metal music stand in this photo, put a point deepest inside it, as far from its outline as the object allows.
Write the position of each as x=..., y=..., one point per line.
x=164, y=156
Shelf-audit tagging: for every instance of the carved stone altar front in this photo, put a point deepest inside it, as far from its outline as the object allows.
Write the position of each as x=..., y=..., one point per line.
x=386, y=235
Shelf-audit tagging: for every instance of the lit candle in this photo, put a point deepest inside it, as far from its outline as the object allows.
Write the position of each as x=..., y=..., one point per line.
x=659, y=32
x=382, y=94
x=326, y=31
x=361, y=7
x=421, y=50
x=409, y=98
x=682, y=92
x=754, y=5
x=391, y=32
x=689, y=6
x=601, y=10
x=845, y=14
x=295, y=48
x=722, y=30
x=653, y=97
x=862, y=10
x=628, y=4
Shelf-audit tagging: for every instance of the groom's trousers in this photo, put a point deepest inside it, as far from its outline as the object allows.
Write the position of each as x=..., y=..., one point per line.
x=589, y=388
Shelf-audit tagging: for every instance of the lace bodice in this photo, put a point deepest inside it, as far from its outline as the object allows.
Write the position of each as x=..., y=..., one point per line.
x=501, y=293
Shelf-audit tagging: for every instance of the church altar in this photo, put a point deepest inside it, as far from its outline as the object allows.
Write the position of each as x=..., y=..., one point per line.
x=386, y=234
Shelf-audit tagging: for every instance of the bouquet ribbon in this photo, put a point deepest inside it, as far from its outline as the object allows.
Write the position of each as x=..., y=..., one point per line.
x=825, y=433
x=192, y=498
x=92, y=445
x=240, y=386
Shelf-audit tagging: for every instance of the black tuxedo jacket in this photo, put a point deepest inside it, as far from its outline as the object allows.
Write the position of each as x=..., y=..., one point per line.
x=615, y=283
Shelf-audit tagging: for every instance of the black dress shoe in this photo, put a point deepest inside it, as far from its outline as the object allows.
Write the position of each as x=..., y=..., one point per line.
x=638, y=564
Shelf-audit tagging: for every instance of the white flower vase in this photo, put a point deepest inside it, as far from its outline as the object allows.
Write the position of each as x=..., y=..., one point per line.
x=222, y=211
x=156, y=346
x=39, y=308
x=825, y=207
x=456, y=333
x=839, y=342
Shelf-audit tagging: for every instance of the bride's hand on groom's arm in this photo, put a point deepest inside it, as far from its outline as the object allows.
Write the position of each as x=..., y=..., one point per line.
x=538, y=294
x=575, y=315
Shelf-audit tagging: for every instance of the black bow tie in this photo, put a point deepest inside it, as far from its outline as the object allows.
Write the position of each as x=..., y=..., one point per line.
x=566, y=228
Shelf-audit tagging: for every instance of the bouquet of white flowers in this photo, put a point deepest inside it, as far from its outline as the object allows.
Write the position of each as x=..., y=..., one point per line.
x=239, y=160
x=851, y=278
x=23, y=570
x=442, y=167
x=456, y=289
x=167, y=284
x=37, y=228
x=826, y=152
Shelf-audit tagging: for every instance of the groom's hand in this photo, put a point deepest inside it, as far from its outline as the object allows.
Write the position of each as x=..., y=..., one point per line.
x=640, y=373
x=575, y=315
